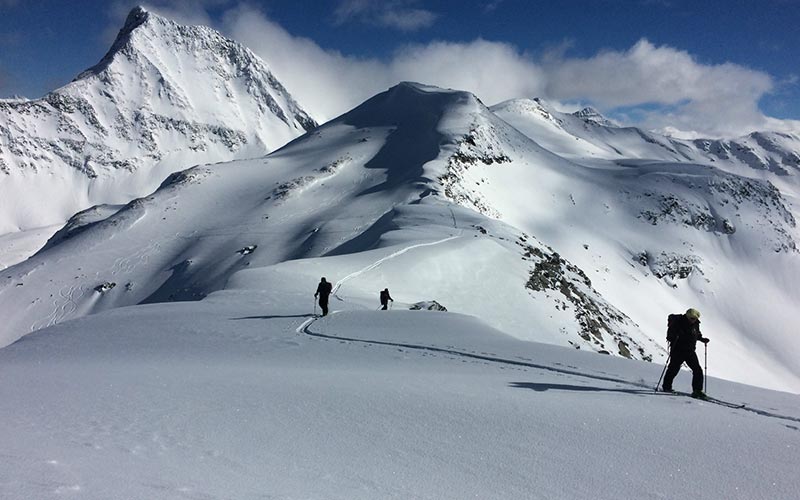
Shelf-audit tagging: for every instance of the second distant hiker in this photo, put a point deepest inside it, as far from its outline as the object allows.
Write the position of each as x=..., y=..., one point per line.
x=324, y=290
x=385, y=298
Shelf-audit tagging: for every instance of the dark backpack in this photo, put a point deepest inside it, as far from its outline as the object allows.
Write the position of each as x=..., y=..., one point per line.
x=673, y=328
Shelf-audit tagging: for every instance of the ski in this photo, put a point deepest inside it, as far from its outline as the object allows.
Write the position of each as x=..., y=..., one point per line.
x=708, y=399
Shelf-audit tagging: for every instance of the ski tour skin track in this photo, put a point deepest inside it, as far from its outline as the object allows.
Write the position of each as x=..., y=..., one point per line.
x=639, y=388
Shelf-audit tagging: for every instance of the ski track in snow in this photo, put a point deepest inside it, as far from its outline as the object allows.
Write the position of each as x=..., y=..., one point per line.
x=129, y=263
x=388, y=257
x=643, y=389
x=66, y=304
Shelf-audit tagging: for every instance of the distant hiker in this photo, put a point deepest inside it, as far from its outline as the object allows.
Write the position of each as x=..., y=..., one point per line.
x=324, y=290
x=385, y=298
x=683, y=333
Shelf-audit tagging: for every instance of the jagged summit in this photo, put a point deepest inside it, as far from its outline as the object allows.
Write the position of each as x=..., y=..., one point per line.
x=159, y=52
x=136, y=18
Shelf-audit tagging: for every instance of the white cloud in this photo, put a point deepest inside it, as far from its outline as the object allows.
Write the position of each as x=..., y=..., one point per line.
x=722, y=99
x=325, y=83
x=328, y=83
x=493, y=71
x=397, y=14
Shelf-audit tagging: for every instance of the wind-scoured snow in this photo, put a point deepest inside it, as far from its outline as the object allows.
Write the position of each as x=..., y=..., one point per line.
x=164, y=98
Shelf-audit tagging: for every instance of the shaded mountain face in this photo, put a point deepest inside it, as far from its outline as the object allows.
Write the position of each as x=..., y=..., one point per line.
x=427, y=192
x=165, y=97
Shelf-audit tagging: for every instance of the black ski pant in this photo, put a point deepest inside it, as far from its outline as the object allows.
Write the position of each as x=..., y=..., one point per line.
x=323, y=304
x=385, y=305
x=676, y=359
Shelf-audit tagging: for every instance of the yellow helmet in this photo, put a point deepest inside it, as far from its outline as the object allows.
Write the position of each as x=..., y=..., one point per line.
x=692, y=314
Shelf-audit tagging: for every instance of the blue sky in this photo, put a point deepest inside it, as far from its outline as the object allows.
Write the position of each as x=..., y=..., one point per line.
x=654, y=62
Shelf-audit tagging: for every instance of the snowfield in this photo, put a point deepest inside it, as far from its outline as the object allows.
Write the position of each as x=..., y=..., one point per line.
x=246, y=395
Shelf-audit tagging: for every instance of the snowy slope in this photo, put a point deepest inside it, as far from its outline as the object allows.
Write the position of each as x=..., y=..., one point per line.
x=429, y=193
x=164, y=98
x=699, y=199
x=244, y=396
x=586, y=136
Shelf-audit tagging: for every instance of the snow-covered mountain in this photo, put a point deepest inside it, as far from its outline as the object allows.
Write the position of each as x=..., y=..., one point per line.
x=428, y=192
x=587, y=135
x=165, y=97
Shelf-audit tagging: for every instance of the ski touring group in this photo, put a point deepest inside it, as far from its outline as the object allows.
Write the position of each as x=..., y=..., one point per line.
x=325, y=288
x=683, y=334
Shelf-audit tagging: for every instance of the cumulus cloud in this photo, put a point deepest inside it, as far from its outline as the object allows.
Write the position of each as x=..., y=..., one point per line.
x=329, y=83
x=723, y=98
x=324, y=82
x=493, y=71
x=397, y=14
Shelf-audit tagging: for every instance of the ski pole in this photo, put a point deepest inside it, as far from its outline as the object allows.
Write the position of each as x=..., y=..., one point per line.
x=315, y=306
x=705, y=367
x=662, y=373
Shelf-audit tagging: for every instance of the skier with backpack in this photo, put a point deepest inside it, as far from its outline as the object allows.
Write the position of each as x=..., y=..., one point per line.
x=324, y=290
x=385, y=298
x=683, y=333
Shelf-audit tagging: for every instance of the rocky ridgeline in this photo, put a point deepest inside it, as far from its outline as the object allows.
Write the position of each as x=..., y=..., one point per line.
x=601, y=325
x=479, y=146
x=733, y=201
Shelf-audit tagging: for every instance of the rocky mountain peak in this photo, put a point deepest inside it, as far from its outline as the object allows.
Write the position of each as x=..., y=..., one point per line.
x=591, y=114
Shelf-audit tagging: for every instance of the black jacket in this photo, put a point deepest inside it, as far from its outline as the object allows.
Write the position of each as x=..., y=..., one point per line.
x=324, y=289
x=385, y=297
x=682, y=334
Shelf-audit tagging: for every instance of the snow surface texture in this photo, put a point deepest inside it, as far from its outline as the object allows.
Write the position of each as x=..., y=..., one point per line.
x=164, y=98
x=430, y=193
x=244, y=395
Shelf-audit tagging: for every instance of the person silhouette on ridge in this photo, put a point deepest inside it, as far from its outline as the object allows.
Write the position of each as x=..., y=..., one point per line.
x=324, y=290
